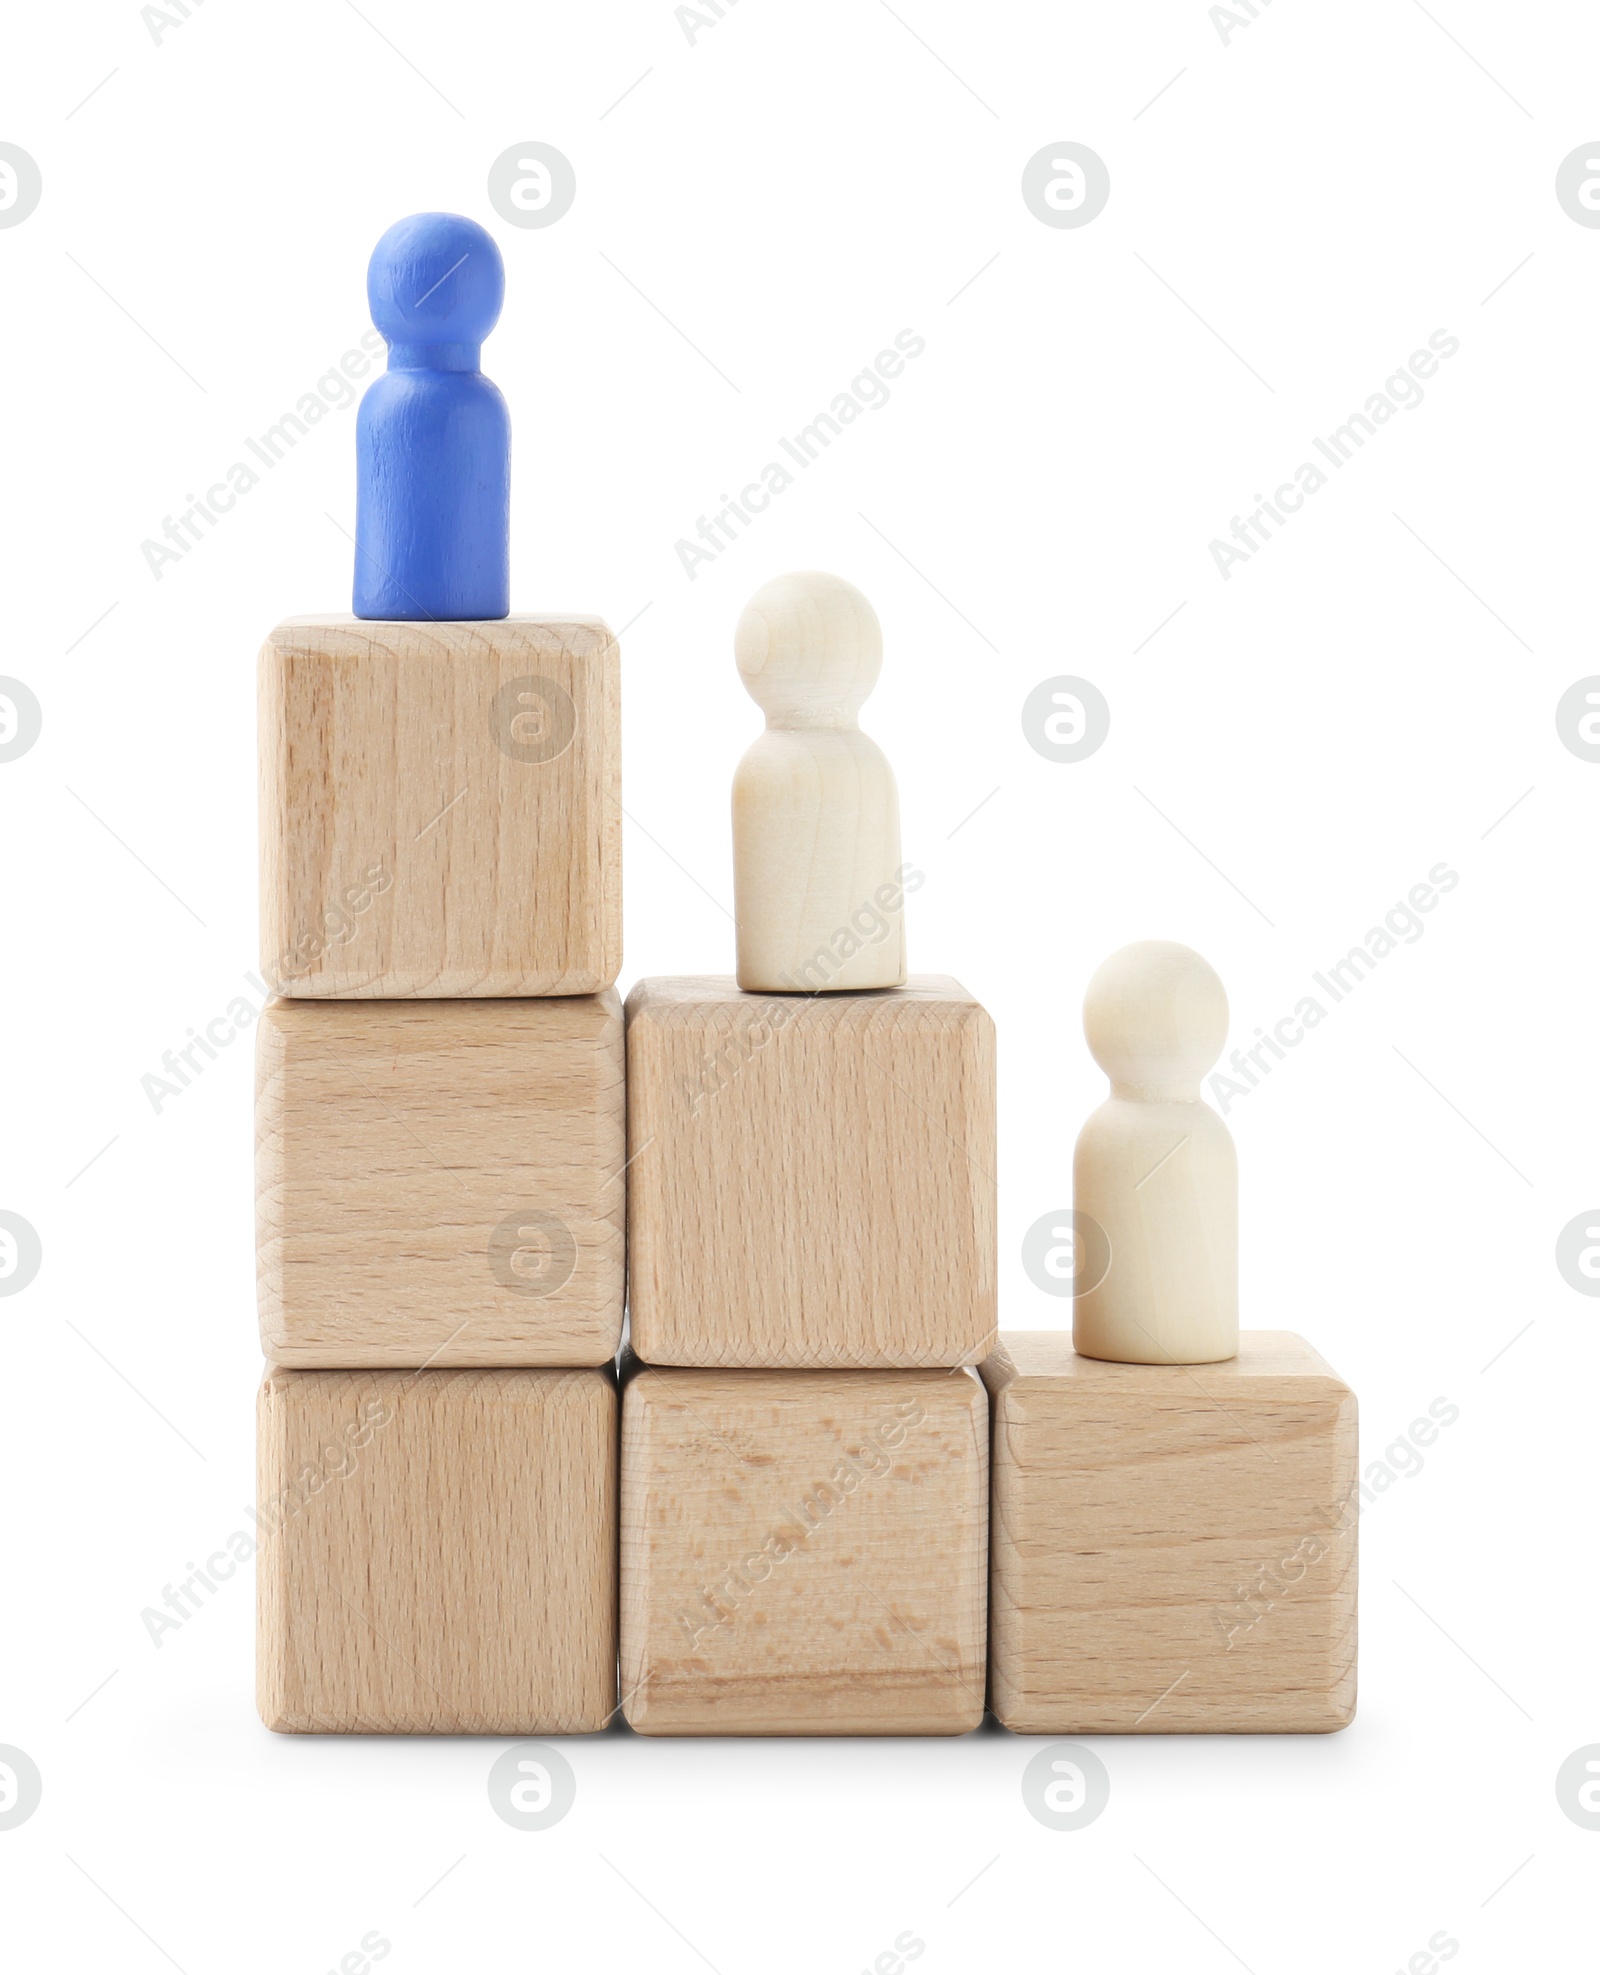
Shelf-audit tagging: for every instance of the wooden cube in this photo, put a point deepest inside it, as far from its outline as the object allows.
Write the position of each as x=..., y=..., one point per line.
x=440, y=808
x=440, y=1182
x=1174, y=1545
x=803, y=1553
x=811, y=1177
x=438, y=1552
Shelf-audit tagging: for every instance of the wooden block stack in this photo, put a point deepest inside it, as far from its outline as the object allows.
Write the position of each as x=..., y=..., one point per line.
x=789, y=1494
x=440, y=1116
x=439, y=1179
x=805, y=1465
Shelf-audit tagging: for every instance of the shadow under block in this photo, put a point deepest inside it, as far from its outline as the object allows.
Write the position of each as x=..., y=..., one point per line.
x=811, y=1177
x=803, y=1553
x=438, y=1552
x=439, y=1182
x=1174, y=1546
x=440, y=808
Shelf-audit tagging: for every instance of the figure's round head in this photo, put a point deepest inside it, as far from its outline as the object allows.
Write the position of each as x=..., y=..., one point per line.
x=1156, y=1016
x=808, y=643
x=436, y=278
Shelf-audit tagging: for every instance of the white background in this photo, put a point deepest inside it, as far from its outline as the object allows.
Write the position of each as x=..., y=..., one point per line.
x=1369, y=695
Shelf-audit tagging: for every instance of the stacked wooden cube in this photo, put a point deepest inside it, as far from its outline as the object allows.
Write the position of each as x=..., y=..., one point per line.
x=441, y=1184
x=805, y=1449
x=440, y=1127
x=775, y=1506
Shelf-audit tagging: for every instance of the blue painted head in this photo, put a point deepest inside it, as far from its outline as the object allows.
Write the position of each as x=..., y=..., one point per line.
x=433, y=436
x=434, y=280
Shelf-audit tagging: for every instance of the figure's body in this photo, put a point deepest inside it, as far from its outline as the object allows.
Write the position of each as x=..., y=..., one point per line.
x=1155, y=1166
x=433, y=436
x=818, y=883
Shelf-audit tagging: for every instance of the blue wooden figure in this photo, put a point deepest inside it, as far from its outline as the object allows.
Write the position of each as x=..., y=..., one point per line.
x=433, y=436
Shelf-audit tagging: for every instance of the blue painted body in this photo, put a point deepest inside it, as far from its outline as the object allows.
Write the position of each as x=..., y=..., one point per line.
x=433, y=436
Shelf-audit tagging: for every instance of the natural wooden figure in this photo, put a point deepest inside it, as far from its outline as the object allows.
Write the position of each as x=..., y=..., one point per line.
x=438, y=1552
x=803, y=1553
x=440, y=808
x=1174, y=1546
x=1155, y=1166
x=810, y=1179
x=440, y=1182
x=817, y=878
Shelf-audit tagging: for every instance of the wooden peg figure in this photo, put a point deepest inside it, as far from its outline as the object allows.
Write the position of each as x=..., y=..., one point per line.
x=433, y=436
x=818, y=883
x=1155, y=1166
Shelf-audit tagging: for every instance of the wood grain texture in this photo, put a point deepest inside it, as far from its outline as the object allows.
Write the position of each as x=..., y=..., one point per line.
x=803, y=1553
x=440, y=808
x=812, y=1177
x=439, y=1182
x=1174, y=1547
x=438, y=1552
